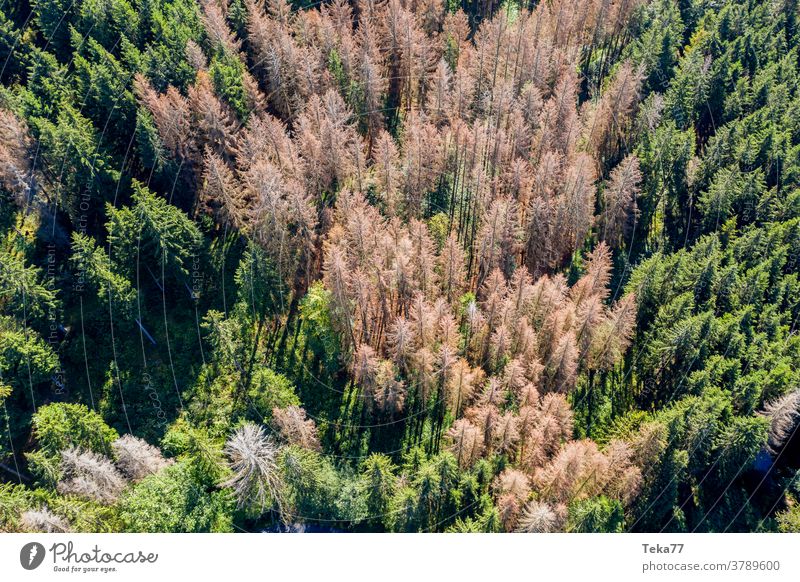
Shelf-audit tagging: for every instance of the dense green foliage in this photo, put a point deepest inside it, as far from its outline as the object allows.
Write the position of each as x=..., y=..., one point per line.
x=534, y=266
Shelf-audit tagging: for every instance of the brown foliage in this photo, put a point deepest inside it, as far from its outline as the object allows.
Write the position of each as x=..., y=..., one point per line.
x=15, y=156
x=137, y=459
x=172, y=115
x=296, y=428
x=43, y=521
x=89, y=475
x=612, y=115
x=619, y=201
x=221, y=194
x=488, y=125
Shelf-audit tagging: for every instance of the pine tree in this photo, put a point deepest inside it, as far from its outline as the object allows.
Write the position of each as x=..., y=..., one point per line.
x=253, y=459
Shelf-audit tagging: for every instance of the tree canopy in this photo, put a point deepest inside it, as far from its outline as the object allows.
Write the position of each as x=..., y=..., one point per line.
x=395, y=265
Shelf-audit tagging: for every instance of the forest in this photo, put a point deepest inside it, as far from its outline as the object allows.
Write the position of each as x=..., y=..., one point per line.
x=399, y=266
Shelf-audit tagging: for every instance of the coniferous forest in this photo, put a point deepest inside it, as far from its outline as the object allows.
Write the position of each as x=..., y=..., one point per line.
x=399, y=265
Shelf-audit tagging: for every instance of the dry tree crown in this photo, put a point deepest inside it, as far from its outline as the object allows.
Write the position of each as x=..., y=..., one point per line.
x=253, y=458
